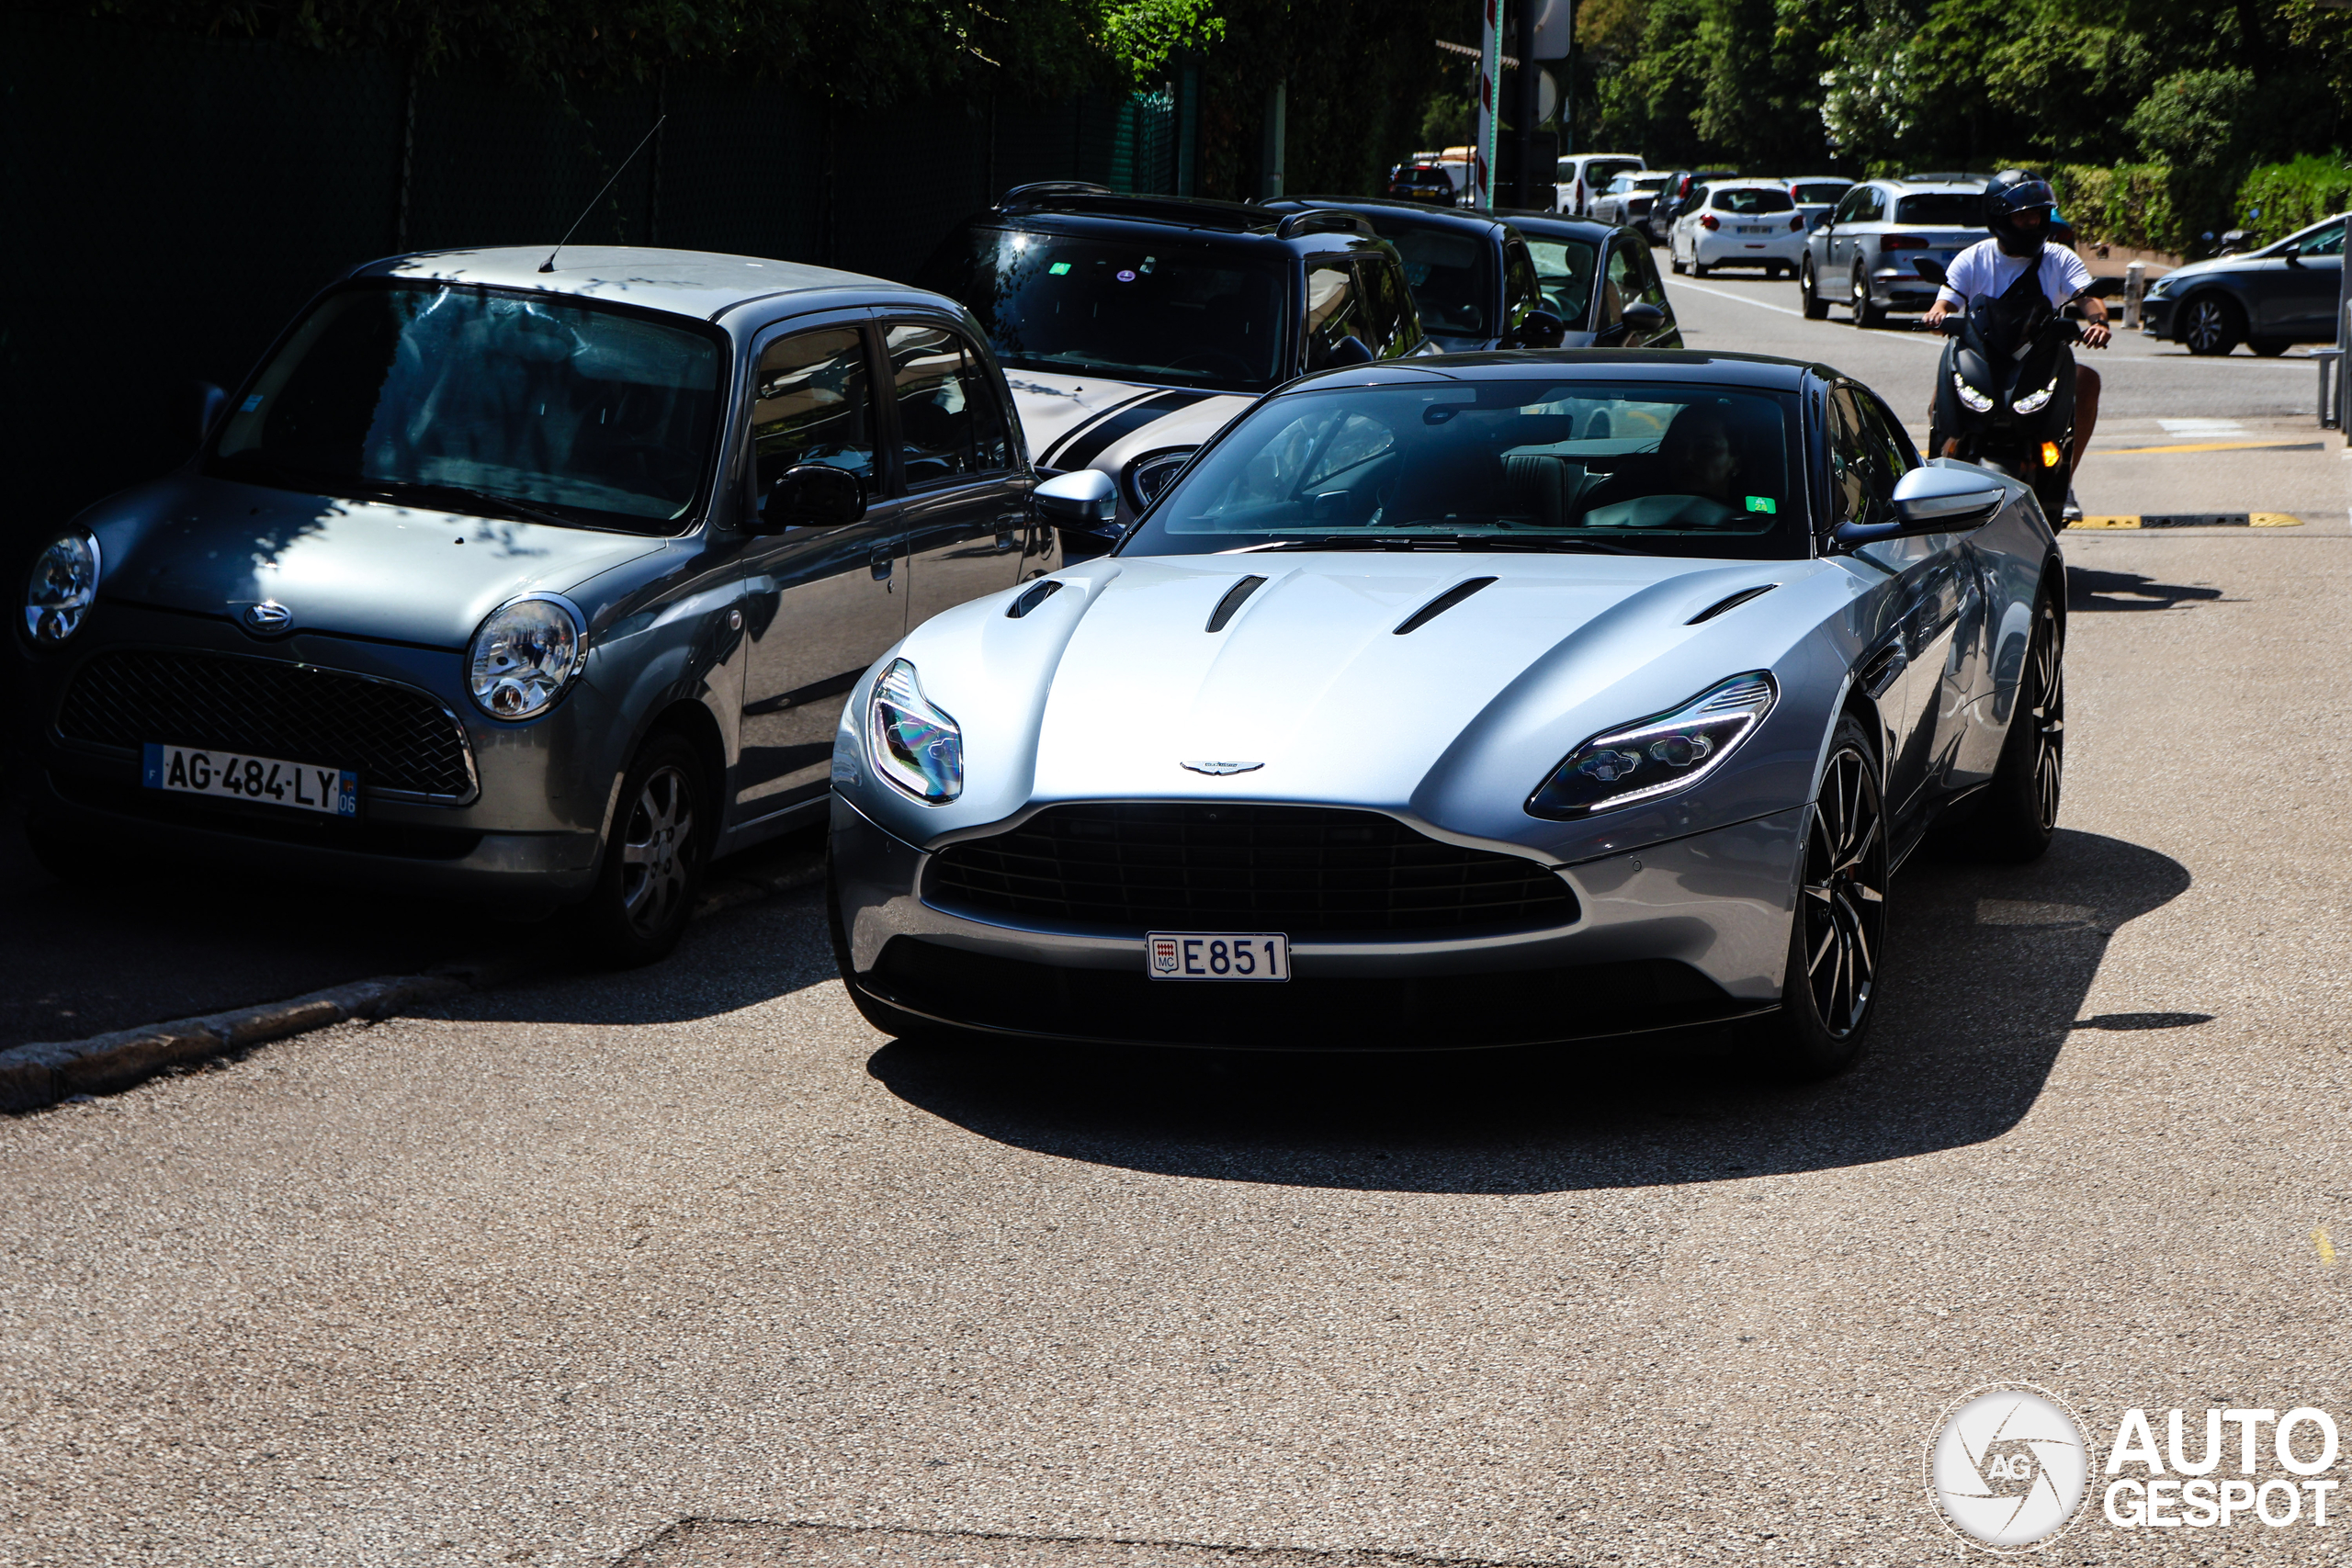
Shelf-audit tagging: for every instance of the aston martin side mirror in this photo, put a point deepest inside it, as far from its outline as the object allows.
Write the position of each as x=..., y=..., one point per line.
x=1077, y=501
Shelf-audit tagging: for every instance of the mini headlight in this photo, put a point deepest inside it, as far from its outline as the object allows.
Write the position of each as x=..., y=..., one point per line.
x=64, y=585
x=524, y=655
x=1970, y=395
x=1656, y=755
x=2034, y=402
x=911, y=743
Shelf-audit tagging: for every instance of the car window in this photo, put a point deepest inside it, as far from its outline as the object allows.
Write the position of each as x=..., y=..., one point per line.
x=1653, y=286
x=1452, y=275
x=1874, y=209
x=1605, y=169
x=599, y=416
x=1388, y=309
x=1941, y=209
x=1888, y=440
x=810, y=404
x=1645, y=468
x=1621, y=288
x=1520, y=292
x=1753, y=199
x=2327, y=241
x=1850, y=492
x=1335, y=309
x=1813, y=194
x=1849, y=208
x=1866, y=456
x=950, y=424
x=1563, y=270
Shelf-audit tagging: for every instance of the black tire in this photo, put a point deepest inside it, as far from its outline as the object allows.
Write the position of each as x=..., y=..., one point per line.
x=1859, y=298
x=1672, y=260
x=663, y=826
x=1816, y=308
x=881, y=1014
x=2269, y=347
x=1698, y=268
x=2212, y=325
x=1837, y=939
x=2017, y=812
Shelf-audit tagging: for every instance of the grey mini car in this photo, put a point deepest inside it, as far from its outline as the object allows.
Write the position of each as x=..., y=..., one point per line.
x=536, y=587
x=1864, y=255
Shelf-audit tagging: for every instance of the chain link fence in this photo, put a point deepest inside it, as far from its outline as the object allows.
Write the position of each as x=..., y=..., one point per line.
x=172, y=203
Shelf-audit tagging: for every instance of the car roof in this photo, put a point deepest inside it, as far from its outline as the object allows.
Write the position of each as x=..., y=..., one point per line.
x=1069, y=207
x=1421, y=213
x=1747, y=182
x=704, y=285
x=1763, y=372
x=1934, y=188
x=1532, y=221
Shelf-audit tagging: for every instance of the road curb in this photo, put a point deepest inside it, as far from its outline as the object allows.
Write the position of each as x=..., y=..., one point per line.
x=44, y=1073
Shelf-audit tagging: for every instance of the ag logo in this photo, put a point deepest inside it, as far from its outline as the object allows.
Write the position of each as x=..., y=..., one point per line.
x=2008, y=1469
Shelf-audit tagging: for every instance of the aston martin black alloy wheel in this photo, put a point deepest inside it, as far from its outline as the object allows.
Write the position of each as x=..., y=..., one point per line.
x=1837, y=938
x=2019, y=811
x=2211, y=324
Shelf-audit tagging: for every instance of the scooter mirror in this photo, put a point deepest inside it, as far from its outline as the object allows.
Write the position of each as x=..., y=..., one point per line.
x=1933, y=271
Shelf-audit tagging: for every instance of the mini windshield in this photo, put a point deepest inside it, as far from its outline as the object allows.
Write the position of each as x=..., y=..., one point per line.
x=461, y=398
x=1941, y=209
x=1449, y=272
x=1534, y=465
x=1146, y=309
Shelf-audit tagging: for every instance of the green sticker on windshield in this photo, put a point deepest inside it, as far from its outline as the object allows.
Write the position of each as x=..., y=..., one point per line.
x=1759, y=504
x=1059, y=268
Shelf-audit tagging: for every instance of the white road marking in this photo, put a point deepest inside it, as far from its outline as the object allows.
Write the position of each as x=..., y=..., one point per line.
x=1928, y=339
x=2203, y=429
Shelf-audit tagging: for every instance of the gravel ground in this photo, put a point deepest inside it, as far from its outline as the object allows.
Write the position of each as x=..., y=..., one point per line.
x=689, y=1266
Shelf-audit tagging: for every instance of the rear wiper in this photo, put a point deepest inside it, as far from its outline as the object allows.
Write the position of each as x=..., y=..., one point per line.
x=1435, y=541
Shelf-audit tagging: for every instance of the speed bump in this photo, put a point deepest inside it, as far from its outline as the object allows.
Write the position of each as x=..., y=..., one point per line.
x=2191, y=520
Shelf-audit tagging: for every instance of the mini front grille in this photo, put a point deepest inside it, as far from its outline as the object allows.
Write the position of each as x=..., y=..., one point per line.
x=396, y=737
x=1301, y=870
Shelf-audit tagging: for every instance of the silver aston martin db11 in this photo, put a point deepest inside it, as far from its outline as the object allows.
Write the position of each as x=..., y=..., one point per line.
x=1492, y=699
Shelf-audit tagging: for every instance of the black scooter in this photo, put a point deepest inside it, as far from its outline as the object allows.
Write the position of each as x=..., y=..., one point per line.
x=2004, y=392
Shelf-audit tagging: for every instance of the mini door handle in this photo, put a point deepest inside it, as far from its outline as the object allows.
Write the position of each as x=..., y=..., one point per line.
x=880, y=562
x=1007, y=539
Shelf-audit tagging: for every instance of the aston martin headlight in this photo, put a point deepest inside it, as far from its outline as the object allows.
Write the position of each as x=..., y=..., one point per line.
x=1970, y=395
x=524, y=655
x=2034, y=402
x=64, y=585
x=1656, y=755
x=911, y=743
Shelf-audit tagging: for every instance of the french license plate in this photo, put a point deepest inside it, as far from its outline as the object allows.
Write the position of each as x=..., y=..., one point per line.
x=305, y=786
x=1756, y=228
x=1218, y=955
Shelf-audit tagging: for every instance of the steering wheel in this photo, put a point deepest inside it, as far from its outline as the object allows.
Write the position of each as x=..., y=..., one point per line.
x=1235, y=364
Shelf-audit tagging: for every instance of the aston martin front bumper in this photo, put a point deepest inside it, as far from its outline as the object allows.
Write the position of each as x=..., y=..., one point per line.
x=1687, y=932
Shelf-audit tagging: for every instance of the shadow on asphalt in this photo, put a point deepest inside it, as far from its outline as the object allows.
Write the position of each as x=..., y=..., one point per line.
x=1990, y=966
x=2087, y=589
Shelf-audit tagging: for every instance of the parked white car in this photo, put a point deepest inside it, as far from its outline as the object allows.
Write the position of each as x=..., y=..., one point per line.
x=1629, y=198
x=1817, y=194
x=1583, y=175
x=1738, y=223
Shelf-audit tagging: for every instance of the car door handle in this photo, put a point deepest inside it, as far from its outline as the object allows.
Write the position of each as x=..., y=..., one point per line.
x=1008, y=540
x=880, y=563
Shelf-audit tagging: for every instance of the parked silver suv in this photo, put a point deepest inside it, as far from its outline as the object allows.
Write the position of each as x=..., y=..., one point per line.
x=532, y=587
x=1862, y=255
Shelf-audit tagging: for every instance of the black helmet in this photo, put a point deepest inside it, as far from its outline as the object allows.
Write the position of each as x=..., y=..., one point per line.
x=2008, y=194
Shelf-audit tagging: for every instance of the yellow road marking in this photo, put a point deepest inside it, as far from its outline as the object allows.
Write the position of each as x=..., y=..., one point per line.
x=2136, y=520
x=2130, y=522
x=2326, y=1247
x=2221, y=447
x=2273, y=520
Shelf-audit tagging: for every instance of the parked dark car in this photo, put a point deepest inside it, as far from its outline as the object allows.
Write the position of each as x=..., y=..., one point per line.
x=1675, y=196
x=1427, y=181
x=2278, y=295
x=1598, y=278
x=525, y=584
x=1133, y=327
x=1470, y=273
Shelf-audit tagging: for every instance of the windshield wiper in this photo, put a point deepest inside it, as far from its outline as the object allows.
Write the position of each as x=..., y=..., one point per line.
x=1472, y=542
x=474, y=499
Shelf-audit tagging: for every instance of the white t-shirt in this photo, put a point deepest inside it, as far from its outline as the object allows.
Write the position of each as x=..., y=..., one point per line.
x=1985, y=269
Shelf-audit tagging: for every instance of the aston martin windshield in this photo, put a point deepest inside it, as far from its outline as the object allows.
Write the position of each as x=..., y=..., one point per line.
x=466, y=399
x=1628, y=467
x=1141, y=311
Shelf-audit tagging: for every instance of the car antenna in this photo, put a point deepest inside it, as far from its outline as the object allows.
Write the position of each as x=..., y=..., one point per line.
x=548, y=264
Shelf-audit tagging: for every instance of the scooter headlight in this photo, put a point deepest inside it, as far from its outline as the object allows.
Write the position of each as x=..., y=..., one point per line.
x=2034, y=402
x=1977, y=401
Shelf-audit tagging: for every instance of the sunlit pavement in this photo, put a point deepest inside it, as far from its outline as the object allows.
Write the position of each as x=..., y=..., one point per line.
x=537, y=1281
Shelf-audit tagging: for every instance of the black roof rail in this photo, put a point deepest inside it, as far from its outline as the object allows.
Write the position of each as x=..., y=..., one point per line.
x=1322, y=220
x=1040, y=189
x=1080, y=197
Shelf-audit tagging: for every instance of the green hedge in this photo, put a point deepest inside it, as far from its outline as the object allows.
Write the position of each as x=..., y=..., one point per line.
x=2125, y=204
x=2290, y=196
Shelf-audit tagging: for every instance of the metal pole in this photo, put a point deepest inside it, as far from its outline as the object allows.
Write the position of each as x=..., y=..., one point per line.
x=1277, y=108
x=1482, y=150
x=2344, y=325
x=1523, y=116
x=2135, y=288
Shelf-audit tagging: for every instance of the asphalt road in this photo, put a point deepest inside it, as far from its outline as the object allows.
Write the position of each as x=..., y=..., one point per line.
x=689, y=1266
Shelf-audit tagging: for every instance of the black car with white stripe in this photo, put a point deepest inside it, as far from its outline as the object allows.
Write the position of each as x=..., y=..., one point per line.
x=1133, y=328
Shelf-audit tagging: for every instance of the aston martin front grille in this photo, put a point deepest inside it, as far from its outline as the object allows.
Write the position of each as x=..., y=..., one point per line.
x=1299, y=869
x=395, y=737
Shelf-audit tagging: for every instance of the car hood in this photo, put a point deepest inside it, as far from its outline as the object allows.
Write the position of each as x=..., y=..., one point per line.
x=349, y=568
x=1074, y=422
x=1109, y=688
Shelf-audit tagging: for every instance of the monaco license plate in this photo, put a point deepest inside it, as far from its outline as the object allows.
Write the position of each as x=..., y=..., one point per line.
x=270, y=780
x=1218, y=955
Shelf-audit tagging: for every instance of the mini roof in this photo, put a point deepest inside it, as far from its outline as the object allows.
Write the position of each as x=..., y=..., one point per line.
x=701, y=284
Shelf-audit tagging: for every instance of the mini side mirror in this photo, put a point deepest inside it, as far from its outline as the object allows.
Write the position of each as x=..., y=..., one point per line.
x=1541, y=329
x=1643, y=317
x=1082, y=499
x=814, y=495
x=211, y=401
x=1348, y=350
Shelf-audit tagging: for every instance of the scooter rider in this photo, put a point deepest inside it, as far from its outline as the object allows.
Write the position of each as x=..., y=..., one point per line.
x=2018, y=209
